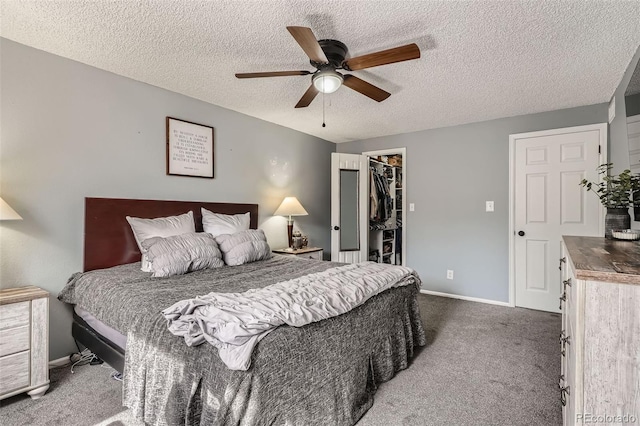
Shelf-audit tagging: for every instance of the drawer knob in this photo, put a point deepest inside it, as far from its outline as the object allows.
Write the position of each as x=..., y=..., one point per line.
x=560, y=381
x=564, y=340
x=564, y=391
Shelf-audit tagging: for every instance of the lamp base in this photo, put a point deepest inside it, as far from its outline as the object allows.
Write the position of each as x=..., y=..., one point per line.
x=290, y=232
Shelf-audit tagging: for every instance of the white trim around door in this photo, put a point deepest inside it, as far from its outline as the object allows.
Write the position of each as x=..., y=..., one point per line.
x=405, y=212
x=601, y=127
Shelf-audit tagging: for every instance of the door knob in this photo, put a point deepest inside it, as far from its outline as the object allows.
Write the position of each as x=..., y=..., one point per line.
x=336, y=228
x=521, y=233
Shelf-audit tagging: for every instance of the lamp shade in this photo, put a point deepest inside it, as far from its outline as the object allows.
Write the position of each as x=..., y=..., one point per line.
x=7, y=213
x=290, y=207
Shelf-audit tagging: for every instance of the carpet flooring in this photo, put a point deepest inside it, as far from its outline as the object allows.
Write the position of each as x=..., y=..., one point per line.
x=483, y=365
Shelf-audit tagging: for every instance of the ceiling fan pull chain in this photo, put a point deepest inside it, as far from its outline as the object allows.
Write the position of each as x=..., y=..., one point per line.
x=323, y=124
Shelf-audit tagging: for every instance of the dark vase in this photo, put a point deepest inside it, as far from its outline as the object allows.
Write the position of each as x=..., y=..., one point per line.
x=616, y=218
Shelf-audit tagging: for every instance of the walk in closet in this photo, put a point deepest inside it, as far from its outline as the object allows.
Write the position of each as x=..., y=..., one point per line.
x=385, y=209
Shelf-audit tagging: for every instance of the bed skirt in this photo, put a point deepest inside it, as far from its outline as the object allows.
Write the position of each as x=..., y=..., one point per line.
x=327, y=373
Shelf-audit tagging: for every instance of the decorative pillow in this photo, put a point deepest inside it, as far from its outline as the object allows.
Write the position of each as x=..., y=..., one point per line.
x=143, y=229
x=244, y=247
x=183, y=253
x=218, y=224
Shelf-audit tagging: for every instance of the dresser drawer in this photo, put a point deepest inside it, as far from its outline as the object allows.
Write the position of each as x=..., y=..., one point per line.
x=14, y=372
x=14, y=340
x=14, y=315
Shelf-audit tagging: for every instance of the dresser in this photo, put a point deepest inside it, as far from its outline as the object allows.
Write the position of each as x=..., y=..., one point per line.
x=24, y=341
x=600, y=339
x=306, y=253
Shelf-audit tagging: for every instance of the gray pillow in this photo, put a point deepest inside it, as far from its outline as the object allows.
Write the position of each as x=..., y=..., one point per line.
x=219, y=224
x=179, y=254
x=244, y=247
x=144, y=229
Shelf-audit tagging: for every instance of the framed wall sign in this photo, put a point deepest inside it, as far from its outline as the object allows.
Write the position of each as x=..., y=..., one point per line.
x=189, y=149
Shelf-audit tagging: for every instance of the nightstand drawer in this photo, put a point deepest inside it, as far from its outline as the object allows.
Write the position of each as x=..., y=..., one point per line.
x=314, y=253
x=24, y=341
x=317, y=255
x=14, y=372
x=14, y=315
x=14, y=340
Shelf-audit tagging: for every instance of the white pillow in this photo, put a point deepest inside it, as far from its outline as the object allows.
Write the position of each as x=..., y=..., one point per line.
x=143, y=229
x=182, y=253
x=244, y=247
x=220, y=224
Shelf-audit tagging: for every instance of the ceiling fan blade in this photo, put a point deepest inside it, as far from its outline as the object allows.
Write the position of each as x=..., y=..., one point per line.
x=308, y=97
x=383, y=57
x=367, y=89
x=271, y=74
x=305, y=38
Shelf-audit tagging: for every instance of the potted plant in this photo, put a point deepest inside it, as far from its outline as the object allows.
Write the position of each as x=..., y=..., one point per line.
x=616, y=193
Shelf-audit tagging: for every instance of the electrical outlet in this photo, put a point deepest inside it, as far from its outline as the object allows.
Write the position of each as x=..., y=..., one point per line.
x=412, y=207
x=449, y=274
x=489, y=206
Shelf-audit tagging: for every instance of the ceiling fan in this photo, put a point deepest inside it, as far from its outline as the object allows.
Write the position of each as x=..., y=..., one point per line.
x=328, y=56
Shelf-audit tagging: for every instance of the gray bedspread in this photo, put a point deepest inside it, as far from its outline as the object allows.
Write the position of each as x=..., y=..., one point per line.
x=324, y=373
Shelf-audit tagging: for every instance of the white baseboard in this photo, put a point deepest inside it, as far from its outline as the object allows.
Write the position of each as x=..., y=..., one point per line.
x=470, y=299
x=59, y=362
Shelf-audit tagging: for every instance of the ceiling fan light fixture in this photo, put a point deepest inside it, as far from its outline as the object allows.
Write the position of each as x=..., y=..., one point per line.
x=327, y=81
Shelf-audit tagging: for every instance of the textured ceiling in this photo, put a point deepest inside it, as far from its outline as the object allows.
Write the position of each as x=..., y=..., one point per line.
x=480, y=60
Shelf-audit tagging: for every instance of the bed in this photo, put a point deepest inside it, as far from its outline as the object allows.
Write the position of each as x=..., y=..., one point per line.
x=325, y=372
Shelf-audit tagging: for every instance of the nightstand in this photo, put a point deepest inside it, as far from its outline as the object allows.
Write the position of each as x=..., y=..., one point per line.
x=306, y=253
x=24, y=341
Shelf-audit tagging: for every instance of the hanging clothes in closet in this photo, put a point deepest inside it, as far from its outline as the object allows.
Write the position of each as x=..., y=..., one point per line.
x=380, y=195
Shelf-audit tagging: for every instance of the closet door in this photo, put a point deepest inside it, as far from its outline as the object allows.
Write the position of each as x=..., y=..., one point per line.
x=349, y=208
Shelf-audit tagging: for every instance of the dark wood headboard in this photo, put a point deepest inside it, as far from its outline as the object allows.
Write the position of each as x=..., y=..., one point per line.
x=108, y=239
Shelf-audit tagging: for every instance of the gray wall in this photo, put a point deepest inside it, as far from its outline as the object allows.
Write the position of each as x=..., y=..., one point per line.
x=450, y=173
x=69, y=131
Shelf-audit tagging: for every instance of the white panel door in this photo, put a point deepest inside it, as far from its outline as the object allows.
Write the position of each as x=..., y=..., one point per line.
x=349, y=208
x=549, y=203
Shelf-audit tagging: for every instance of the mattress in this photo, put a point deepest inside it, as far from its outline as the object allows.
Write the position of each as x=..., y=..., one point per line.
x=109, y=332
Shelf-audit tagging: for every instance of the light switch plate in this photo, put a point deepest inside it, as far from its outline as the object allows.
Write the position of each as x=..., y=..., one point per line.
x=490, y=206
x=412, y=207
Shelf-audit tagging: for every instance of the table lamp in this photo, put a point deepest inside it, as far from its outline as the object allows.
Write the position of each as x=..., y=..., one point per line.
x=290, y=207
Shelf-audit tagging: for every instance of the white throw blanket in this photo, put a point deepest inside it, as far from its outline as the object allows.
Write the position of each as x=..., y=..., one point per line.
x=235, y=322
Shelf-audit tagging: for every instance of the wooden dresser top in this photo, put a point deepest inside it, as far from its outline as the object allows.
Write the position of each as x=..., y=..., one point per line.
x=601, y=259
x=21, y=294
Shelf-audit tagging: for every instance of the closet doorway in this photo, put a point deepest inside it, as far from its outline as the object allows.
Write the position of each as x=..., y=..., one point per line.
x=387, y=205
